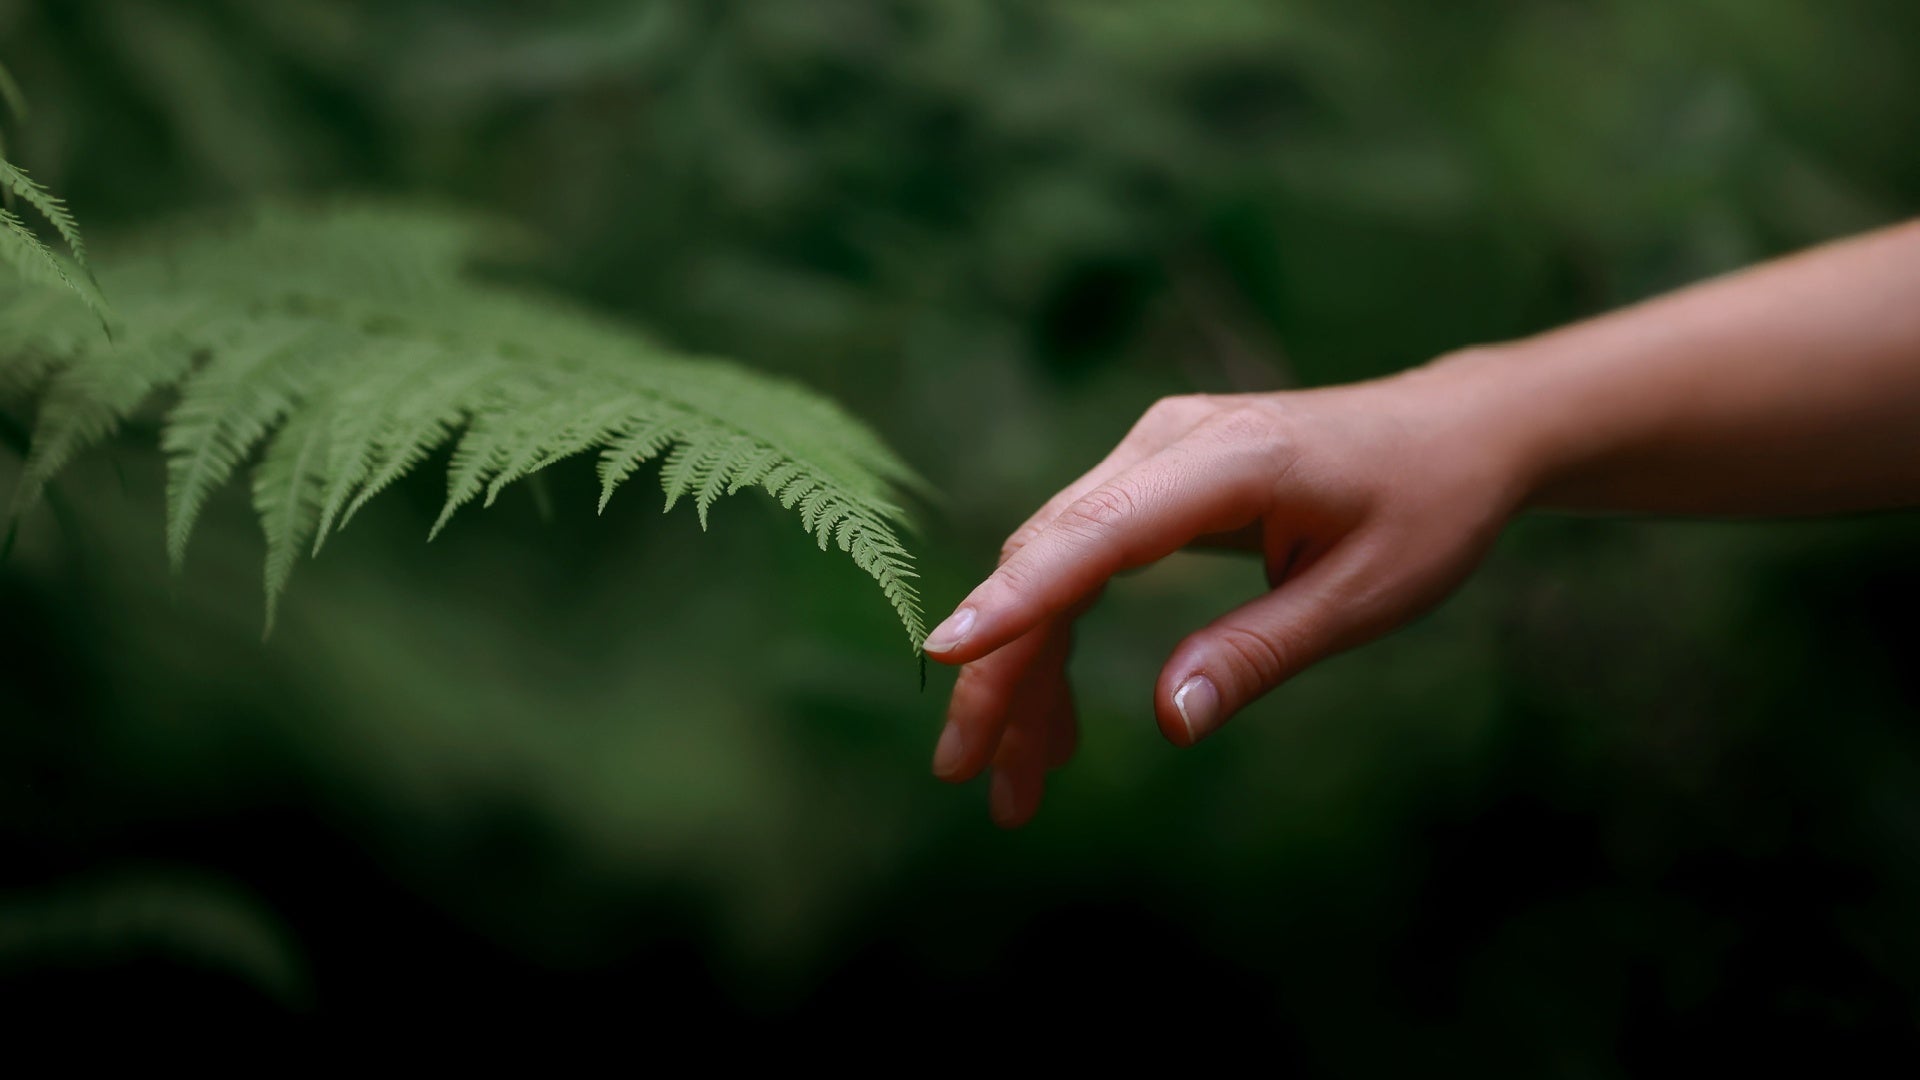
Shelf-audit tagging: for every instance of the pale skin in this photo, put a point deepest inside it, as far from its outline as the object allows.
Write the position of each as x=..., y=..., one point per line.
x=1791, y=388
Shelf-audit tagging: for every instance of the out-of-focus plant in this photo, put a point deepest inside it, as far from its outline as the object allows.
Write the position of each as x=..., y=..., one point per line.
x=21, y=247
x=171, y=915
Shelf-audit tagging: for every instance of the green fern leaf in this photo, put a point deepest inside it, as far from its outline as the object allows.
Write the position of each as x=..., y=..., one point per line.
x=30, y=257
x=287, y=494
x=87, y=400
x=352, y=343
x=642, y=441
x=571, y=425
x=736, y=457
x=20, y=247
x=33, y=260
x=360, y=415
x=689, y=467
x=226, y=408
x=51, y=207
x=414, y=424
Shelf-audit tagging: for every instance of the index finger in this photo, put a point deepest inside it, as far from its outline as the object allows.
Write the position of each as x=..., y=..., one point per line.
x=1191, y=488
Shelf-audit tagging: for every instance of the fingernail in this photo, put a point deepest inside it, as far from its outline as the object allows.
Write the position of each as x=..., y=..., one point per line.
x=947, y=755
x=1199, y=705
x=952, y=632
x=1000, y=800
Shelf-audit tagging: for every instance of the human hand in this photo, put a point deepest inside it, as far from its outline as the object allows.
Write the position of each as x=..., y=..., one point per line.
x=1368, y=503
x=1790, y=388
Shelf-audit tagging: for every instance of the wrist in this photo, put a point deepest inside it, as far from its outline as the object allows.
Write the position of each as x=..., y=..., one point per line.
x=1480, y=406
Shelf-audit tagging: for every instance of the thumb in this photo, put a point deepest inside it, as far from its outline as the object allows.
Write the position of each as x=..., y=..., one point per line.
x=1223, y=667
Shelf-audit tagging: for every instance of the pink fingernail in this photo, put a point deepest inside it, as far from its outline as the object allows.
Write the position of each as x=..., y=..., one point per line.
x=952, y=632
x=1198, y=702
x=947, y=755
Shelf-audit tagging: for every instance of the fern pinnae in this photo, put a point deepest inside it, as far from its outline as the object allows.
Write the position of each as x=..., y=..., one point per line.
x=86, y=402
x=836, y=521
x=475, y=456
x=638, y=444
x=568, y=422
x=595, y=427
x=22, y=249
x=783, y=473
x=687, y=466
x=516, y=434
x=396, y=457
x=797, y=489
x=90, y=394
x=50, y=206
x=812, y=507
x=287, y=490
x=420, y=421
x=755, y=468
x=22, y=379
x=93, y=392
x=20, y=246
x=358, y=416
x=729, y=458
x=225, y=409
x=492, y=422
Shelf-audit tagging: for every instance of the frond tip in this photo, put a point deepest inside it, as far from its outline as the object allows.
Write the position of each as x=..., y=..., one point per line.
x=351, y=345
x=29, y=256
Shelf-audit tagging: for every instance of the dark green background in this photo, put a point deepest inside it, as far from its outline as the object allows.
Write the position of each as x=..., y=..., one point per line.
x=1644, y=795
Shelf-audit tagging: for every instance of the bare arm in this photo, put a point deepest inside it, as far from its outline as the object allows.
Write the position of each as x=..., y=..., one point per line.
x=1792, y=388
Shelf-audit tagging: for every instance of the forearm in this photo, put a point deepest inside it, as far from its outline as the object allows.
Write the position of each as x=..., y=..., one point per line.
x=1790, y=388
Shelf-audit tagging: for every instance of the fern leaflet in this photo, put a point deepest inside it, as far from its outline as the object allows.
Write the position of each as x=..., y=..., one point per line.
x=30, y=257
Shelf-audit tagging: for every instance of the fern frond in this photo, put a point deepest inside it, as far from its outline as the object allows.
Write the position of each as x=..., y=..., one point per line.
x=571, y=425
x=358, y=417
x=51, y=207
x=352, y=344
x=287, y=492
x=640, y=442
x=691, y=467
x=86, y=402
x=31, y=258
x=226, y=407
x=414, y=424
x=20, y=247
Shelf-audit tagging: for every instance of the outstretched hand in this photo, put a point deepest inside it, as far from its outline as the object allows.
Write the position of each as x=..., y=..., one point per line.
x=1790, y=388
x=1367, y=504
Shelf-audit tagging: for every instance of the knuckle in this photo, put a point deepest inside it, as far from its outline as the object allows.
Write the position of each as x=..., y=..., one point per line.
x=1242, y=423
x=1259, y=658
x=979, y=700
x=1104, y=508
x=1013, y=576
x=1252, y=429
x=1169, y=410
x=1018, y=540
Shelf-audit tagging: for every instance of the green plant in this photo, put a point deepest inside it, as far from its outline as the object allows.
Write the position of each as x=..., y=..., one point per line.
x=352, y=341
x=123, y=916
x=20, y=247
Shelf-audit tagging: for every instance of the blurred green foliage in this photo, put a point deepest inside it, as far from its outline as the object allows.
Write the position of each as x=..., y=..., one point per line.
x=1642, y=796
